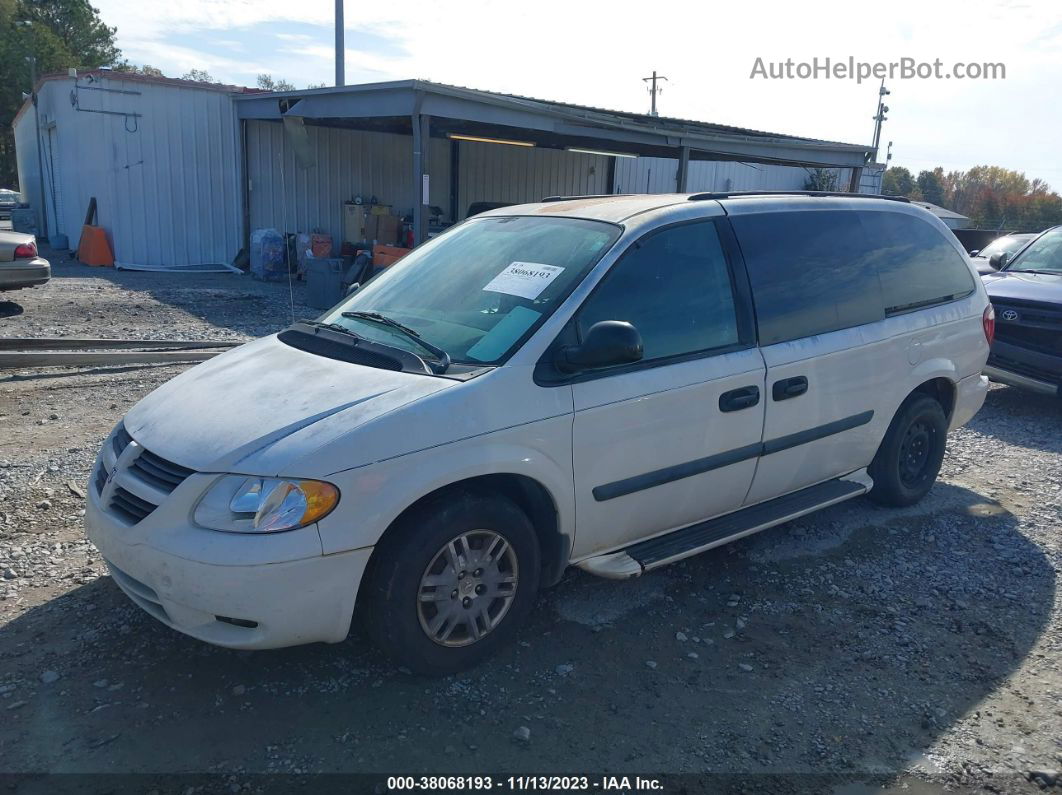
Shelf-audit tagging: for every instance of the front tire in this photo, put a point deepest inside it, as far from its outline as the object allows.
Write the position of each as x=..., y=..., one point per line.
x=451, y=583
x=908, y=461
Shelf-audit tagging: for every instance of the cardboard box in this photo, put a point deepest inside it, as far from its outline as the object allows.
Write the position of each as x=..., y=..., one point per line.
x=364, y=223
x=387, y=228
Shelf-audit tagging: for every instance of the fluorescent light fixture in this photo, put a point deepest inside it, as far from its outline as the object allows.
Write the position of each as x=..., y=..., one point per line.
x=598, y=152
x=480, y=140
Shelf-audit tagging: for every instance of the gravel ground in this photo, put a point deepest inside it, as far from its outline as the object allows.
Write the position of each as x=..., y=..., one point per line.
x=860, y=647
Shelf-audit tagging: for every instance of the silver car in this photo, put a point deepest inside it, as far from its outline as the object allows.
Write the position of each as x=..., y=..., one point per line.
x=20, y=265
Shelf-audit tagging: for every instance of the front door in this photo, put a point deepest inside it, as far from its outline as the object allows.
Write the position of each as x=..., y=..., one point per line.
x=674, y=438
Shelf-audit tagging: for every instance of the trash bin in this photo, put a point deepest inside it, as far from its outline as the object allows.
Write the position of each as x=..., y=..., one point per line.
x=324, y=282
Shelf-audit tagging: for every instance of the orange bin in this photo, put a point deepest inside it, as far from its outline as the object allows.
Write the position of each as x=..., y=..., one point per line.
x=382, y=256
x=94, y=248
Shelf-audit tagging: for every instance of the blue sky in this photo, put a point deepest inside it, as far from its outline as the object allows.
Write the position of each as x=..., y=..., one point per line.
x=596, y=53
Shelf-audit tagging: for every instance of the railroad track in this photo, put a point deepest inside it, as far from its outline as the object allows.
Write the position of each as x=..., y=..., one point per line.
x=31, y=352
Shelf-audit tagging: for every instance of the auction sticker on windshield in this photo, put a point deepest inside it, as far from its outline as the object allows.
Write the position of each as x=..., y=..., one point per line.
x=524, y=279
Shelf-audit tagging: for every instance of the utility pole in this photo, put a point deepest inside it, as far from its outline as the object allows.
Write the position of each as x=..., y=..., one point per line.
x=880, y=116
x=341, y=79
x=653, y=90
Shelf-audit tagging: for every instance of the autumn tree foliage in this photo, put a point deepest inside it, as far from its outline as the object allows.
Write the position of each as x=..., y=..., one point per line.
x=991, y=196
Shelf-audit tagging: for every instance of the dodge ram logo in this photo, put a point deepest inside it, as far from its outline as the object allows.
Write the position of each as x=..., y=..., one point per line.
x=1009, y=314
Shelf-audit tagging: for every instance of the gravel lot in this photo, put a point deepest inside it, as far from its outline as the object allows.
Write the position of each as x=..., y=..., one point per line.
x=861, y=647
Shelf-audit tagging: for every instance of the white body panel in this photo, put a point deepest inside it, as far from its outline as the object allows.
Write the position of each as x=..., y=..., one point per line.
x=386, y=439
x=853, y=371
x=646, y=421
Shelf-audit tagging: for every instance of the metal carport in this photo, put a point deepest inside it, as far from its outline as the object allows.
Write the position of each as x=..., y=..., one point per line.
x=429, y=112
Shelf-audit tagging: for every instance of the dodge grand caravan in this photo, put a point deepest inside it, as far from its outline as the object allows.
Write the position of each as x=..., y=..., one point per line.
x=609, y=382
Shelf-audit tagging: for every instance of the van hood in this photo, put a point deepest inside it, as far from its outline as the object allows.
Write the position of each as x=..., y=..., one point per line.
x=1045, y=287
x=230, y=413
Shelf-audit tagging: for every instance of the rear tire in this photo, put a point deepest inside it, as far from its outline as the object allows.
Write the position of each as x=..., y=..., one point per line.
x=452, y=582
x=908, y=461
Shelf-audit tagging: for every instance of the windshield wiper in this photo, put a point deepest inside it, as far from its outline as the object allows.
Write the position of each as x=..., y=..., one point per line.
x=376, y=317
x=1033, y=270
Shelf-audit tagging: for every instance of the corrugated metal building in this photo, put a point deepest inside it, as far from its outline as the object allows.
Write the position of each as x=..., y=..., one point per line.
x=159, y=156
x=182, y=172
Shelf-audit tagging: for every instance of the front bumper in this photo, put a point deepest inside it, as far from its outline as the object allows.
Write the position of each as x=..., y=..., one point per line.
x=24, y=273
x=1028, y=383
x=274, y=603
x=1037, y=371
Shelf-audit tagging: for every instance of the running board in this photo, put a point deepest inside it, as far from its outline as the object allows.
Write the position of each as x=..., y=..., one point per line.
x=697, y=538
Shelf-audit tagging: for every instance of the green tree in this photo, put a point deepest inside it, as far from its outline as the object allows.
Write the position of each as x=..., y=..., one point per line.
x=61, y=34
x=897, y=181
x=931, y=185
x=267, y=83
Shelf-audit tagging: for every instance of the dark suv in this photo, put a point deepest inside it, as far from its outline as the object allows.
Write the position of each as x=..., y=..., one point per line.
x=1027, y=297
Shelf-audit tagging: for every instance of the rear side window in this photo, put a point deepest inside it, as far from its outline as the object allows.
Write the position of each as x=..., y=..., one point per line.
x=812, y=272
x=674, y=287
x=917, y=265
x=818, y=271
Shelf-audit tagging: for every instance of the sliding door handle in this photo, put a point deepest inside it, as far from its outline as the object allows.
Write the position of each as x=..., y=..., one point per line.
x=789, y=388
x=738, y=399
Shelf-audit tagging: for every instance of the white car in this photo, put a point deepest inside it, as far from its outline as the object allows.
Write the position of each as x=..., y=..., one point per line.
x=609, y=382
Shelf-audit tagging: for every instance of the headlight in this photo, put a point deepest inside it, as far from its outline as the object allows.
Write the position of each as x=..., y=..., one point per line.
x=239, y=504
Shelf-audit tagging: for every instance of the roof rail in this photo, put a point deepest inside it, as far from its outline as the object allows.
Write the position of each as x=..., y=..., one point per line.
x=696, y=197
x=588, y=196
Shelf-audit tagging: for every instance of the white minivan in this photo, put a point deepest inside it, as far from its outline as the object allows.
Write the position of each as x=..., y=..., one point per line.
x=613, y=382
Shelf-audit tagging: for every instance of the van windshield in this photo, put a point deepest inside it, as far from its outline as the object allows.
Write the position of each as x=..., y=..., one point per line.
x=476, y=292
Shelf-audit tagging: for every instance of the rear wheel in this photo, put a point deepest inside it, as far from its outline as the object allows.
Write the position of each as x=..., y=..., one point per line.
x=452, y=582
x=908, y=461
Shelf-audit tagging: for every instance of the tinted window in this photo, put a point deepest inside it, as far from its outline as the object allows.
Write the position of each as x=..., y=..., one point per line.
x=674, y=287
x=917, y=265
x=811, y=272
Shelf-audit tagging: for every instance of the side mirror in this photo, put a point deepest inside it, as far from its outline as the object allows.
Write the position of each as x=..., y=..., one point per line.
x=973, y=252
x=997, y=261
x=607, y=343
x=353, y=288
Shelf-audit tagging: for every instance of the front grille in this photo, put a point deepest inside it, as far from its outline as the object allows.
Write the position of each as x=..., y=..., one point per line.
x=159, y=472
x=101, y=478
x=1023, y=368
x=129, y=506
x=141, y=478
x=121, y=439
x=1037, y=326
x=1038, y=339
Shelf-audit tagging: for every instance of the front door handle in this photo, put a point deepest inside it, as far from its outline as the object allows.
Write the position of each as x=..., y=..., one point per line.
x=738, y=399
x=789, y=388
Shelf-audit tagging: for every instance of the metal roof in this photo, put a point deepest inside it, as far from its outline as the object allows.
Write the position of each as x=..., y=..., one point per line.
x=639, y=133
x=941, y=212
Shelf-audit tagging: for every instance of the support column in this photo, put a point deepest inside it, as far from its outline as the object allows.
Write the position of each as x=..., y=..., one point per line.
x=853, y=184
x=421, y=143
x=682, y=177
x=455, y=180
